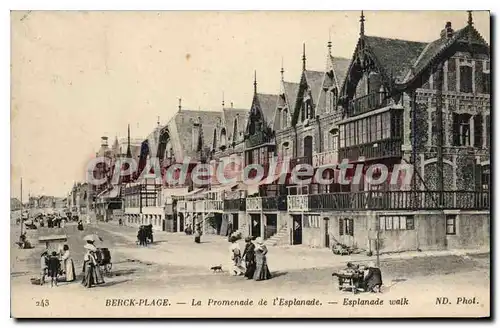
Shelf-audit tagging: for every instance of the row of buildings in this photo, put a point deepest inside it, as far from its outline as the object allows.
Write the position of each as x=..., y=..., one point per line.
x=426, y=104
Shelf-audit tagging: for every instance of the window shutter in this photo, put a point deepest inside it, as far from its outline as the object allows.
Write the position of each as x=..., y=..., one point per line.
x=351, y=227
x=456, y=130
x=341, y=227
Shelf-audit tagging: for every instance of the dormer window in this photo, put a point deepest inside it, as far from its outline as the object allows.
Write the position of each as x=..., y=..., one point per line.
x=223, y=139
x=284, y=118
x=465, y=75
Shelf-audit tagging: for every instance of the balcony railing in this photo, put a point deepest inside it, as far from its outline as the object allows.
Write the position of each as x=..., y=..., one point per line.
x=181, y=206
x=199, y=206
x=300, y=160
x=235, y=204
x=380, y=149
x=214, y=205
x=325, y=158
x=256, y=139
x=274, y=203
x=254, y=204
x=298, y=203
x=398, y=200
x=372, y=101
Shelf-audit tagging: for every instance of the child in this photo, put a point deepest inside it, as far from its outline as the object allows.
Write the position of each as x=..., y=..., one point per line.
x=54, y=266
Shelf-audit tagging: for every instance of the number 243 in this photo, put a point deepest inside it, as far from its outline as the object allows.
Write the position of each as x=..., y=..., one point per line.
x=42, y=303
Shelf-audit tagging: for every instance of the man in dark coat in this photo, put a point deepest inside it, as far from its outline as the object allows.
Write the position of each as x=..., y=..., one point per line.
x=373, y=279
x=249, y=257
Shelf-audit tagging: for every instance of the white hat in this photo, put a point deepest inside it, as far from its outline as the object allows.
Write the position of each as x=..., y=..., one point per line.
x=90, y=247
x=259, y=240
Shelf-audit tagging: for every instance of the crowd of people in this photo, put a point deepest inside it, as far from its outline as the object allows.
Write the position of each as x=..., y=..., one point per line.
x=145, y=235
x=254, y=257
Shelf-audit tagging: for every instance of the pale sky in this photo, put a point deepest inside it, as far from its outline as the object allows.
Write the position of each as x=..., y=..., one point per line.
x=77, y=76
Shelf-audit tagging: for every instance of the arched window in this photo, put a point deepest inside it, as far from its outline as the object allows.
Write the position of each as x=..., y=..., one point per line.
x=285, y=118
x=285, y=150
x=223, y=139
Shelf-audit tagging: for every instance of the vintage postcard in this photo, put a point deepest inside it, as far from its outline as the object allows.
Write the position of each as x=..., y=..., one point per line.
x=322, y=164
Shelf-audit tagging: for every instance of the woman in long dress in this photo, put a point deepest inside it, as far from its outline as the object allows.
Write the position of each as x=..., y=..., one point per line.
x=91, y=276
x=68, y=265
x=261, y=269
x=249, y=256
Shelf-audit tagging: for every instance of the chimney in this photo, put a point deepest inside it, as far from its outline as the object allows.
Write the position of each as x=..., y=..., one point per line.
x=447, y=31
x=104, y=142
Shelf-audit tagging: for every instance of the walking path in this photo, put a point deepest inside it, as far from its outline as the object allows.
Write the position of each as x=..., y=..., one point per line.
x=214, y=250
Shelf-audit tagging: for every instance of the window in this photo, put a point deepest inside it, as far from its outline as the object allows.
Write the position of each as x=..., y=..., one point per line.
x=396, y=126
x=386, y=125
x=486, y=77
x=346, y=227
x=485, y=178
x=285, y=118
x=400, y=222
x=223, y=139
x=451, y=224
x=378, y=119
x=342, y=136
x=465, y=77
x=461, y=129
x=373, y=129
x=478, y=131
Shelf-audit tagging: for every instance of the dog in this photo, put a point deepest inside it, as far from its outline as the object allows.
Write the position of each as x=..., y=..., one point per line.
x=217, y=268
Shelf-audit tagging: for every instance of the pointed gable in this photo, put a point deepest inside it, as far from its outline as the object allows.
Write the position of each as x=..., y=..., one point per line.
x=267, y=104
x=436, y=48
x=229, y=117
x=286, y=100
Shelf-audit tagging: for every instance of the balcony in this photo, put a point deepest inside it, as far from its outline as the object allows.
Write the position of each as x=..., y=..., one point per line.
x=325, y=158
x=253, y=204
x=274, y=203
x=372, y=101
x=398, y=200
x=298, y=203
x=381, y=149
x=199, y=206
x=300, y=160
x=214, y=205
x=259, y=138
x=233, y=205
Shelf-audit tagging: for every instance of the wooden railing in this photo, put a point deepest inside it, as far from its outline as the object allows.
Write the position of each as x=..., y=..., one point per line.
x=214, y=205
x=379, y=149
x=298, y=203
x=399, y=200
x=254, y=204
x=199, y=206
x=372, y=101
x=274, y=203
x=235, y=204
x=325, y=158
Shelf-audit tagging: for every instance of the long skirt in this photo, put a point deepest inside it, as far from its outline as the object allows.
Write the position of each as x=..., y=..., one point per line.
x=261, y=270
x=69, y=267
x=250, y=269
x=88, y=275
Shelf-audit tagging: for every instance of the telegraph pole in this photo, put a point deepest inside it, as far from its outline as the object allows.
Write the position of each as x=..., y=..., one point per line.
x=22, y=206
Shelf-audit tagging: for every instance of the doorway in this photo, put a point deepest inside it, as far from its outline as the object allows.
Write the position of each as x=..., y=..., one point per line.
x=271, y=225
x=181, y=222
x=236, y=225
x=255, y=220
x=297, y=230
x=308, y=147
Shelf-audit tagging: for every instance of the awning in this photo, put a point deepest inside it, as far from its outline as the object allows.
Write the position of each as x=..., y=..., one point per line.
x=167, y=194
x=113, y=193
x=188, y=194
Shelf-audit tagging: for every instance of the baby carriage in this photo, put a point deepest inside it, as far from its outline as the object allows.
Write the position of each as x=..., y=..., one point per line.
x=104, y=259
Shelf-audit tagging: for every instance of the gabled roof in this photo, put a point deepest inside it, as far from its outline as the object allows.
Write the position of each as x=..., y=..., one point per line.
x=184, y=121
x=437, y=47
x=229, y=115
x=396, y=57
x=267, y=104
x=291, y=90
x=314, y=80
